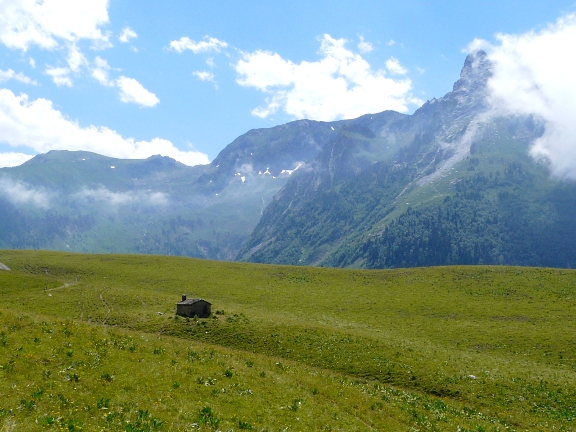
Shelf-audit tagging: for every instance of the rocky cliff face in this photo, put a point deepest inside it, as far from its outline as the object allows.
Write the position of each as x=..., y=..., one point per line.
x=376, y=193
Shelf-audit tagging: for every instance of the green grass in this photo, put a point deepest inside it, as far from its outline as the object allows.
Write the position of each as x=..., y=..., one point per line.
x=475, y=348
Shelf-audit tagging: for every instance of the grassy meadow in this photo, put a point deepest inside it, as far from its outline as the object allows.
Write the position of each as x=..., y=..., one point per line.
x=91, y=342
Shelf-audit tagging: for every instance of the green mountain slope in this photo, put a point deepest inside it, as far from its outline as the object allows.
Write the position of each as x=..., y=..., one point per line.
x=85, y=202
x=451, y=184
x=82, y=201
x=93, y=340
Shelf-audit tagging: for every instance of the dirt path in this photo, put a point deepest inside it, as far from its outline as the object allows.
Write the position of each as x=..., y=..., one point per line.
x=66, y=285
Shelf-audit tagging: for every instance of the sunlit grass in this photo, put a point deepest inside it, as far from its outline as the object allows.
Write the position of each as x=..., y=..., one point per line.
x=480, y=348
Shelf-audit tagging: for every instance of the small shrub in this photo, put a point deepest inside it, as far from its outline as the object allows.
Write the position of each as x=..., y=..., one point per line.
x=8, y=367
x=244, y=425
x=38, y=393
x=296, y=405
x=103, y=403
x=145, y=422
x=74, y=425
x=29, y=405
x=207, y=417
x=62, y=400
x=228, y=373
x=73, y=377
x=107, y=377
x=111, y=416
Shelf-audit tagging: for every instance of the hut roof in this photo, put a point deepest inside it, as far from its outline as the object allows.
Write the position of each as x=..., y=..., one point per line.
x=192, y=301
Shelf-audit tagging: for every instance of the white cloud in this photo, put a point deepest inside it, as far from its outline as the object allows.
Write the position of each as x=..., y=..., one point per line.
x=392, y=42
x=32, y=63
x=206, y=45
x=131, y=91
x=75, y=58
x=21, y=193
x=127, y=34
x=48, y=23
x=60, y=76
x=119, y=198
x=204, y=75
x=210, y=62
x=100, y=72
x=535, y=73
x=364, y=46
x=12, y=159
x=394, y=66
x=6, y=75
x=38, y=126
x=340, y=85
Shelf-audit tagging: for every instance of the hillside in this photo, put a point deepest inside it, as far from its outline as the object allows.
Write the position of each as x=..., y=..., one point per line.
x=84, y=202
x=453, y=348
x=451, y=184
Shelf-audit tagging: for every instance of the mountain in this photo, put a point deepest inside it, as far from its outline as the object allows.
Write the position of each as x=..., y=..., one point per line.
x=451, y=184
x=85, y=202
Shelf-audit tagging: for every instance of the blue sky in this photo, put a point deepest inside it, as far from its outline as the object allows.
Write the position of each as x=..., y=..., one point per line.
x=185, y=78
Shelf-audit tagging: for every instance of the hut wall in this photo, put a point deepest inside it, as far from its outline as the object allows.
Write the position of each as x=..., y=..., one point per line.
x=200, y=309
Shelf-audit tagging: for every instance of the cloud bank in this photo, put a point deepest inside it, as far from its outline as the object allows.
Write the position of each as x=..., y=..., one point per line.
x=48, y=23
x=62, y=24
x=535, y=73
x=6, y=75
x=342, y=84
x=121, y=198
x=38, y=126
x=20, y=193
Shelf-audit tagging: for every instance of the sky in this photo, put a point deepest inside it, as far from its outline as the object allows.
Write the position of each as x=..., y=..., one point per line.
x=185, y=78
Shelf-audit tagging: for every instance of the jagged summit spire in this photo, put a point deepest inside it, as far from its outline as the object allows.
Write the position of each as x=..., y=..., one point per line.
x=471, y=89
x=475, y=73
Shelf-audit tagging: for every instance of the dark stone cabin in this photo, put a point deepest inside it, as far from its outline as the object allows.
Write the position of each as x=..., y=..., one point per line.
x=193, y=307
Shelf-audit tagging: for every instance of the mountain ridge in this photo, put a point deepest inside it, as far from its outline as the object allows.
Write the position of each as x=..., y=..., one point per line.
x=450, y=147
x=374, y=192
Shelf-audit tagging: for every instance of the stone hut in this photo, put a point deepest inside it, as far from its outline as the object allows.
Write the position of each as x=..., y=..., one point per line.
x=193, y=307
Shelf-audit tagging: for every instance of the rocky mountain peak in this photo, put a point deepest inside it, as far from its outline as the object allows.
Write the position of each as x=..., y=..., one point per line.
x=475, y=73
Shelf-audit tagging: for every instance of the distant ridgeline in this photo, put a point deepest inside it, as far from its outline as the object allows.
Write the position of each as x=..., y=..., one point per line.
x=446, y=185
